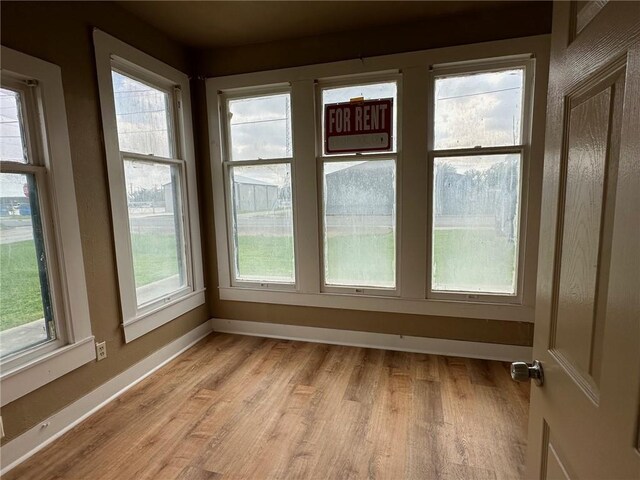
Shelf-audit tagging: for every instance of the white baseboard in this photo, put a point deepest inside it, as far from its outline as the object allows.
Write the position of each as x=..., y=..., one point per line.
x=385, y=341
x=21, y=448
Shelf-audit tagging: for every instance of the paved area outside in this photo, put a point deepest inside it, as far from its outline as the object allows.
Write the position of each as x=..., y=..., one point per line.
x=14, y=229
x=18, y=229
x=32, y=333
x=277, y=223
x=158, y=223
x=258, y=223
x=151, y=291
x=15, y=338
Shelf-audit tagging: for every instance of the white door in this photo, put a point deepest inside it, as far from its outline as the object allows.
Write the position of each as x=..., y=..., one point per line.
x=584, y=418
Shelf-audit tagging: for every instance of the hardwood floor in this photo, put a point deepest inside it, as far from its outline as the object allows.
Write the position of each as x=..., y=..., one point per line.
x=237, y=407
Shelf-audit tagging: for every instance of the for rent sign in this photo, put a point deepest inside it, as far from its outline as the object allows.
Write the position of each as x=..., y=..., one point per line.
x=358, y=126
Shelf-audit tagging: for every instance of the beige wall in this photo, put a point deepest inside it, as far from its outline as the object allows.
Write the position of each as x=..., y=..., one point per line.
x=62, y=34
x=508, y=23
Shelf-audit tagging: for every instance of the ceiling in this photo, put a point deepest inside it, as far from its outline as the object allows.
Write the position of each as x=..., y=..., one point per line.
x=215, y=24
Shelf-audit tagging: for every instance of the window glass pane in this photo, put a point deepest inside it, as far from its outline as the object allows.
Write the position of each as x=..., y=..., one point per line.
x=12, y=144
x=263, y=223
x=483, y=109
x=475, y=223
x=373, y=91
x=155, y=221
x=142, y=115
x=360, y=223
x=24, y=292
x=260, y=127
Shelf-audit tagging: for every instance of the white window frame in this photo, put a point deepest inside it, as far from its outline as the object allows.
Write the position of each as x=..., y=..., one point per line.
x=40, y=84
x=322, y=158
x=113, y=54
x=229, y=164
x=527, y=63
x=413, y=177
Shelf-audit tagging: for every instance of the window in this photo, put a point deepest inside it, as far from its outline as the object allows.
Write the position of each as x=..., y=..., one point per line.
x=154, y=201
x=27, y=317
x=146, y=119
x=26, y=301
x=154, y=191
x=443, y=223
x=477, y=180
x=259, y=168
x=482, y=109
x=359, y=204
x=44, y=319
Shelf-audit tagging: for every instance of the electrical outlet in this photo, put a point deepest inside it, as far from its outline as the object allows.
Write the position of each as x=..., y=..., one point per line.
x=101, y=350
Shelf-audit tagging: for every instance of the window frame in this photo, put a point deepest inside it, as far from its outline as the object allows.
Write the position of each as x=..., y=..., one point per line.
x=49, y=161
x=412, y=177
x=115, y=55
x=128, y=295
x=36, y=168
x=322, y=158
x=527, y=63
x=228, y=164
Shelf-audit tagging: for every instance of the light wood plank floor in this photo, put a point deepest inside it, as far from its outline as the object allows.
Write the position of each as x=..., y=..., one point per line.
x=237, y=407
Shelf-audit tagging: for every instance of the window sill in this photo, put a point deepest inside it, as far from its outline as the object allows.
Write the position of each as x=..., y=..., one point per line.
x=148, y=321
x=29, y=376
x=414, y=306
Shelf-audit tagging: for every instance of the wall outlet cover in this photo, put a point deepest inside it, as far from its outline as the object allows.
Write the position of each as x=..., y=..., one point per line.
x=101, y=351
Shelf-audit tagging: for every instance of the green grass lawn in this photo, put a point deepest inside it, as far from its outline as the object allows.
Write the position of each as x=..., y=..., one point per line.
x=359, y=259
x=461, y=256
x=352, y=259
x=155, y=257
x=265, y=256
x=472, y=259
x=20, y=300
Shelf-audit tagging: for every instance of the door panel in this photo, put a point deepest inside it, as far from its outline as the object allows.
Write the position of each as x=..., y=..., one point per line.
x=554, y=468
x=588, y=133
x=585, y=11
x=589, y=194
x=584, y=419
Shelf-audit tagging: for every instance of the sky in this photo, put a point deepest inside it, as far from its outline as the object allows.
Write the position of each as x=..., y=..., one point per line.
x=11, y=185
x=482, y=109
x=142, y=114
x=260, y=127
x=11, y=144
x=471, y=109
x=142, y=119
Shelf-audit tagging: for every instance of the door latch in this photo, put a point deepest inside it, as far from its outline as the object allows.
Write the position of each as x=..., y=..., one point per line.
x=522, y=371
